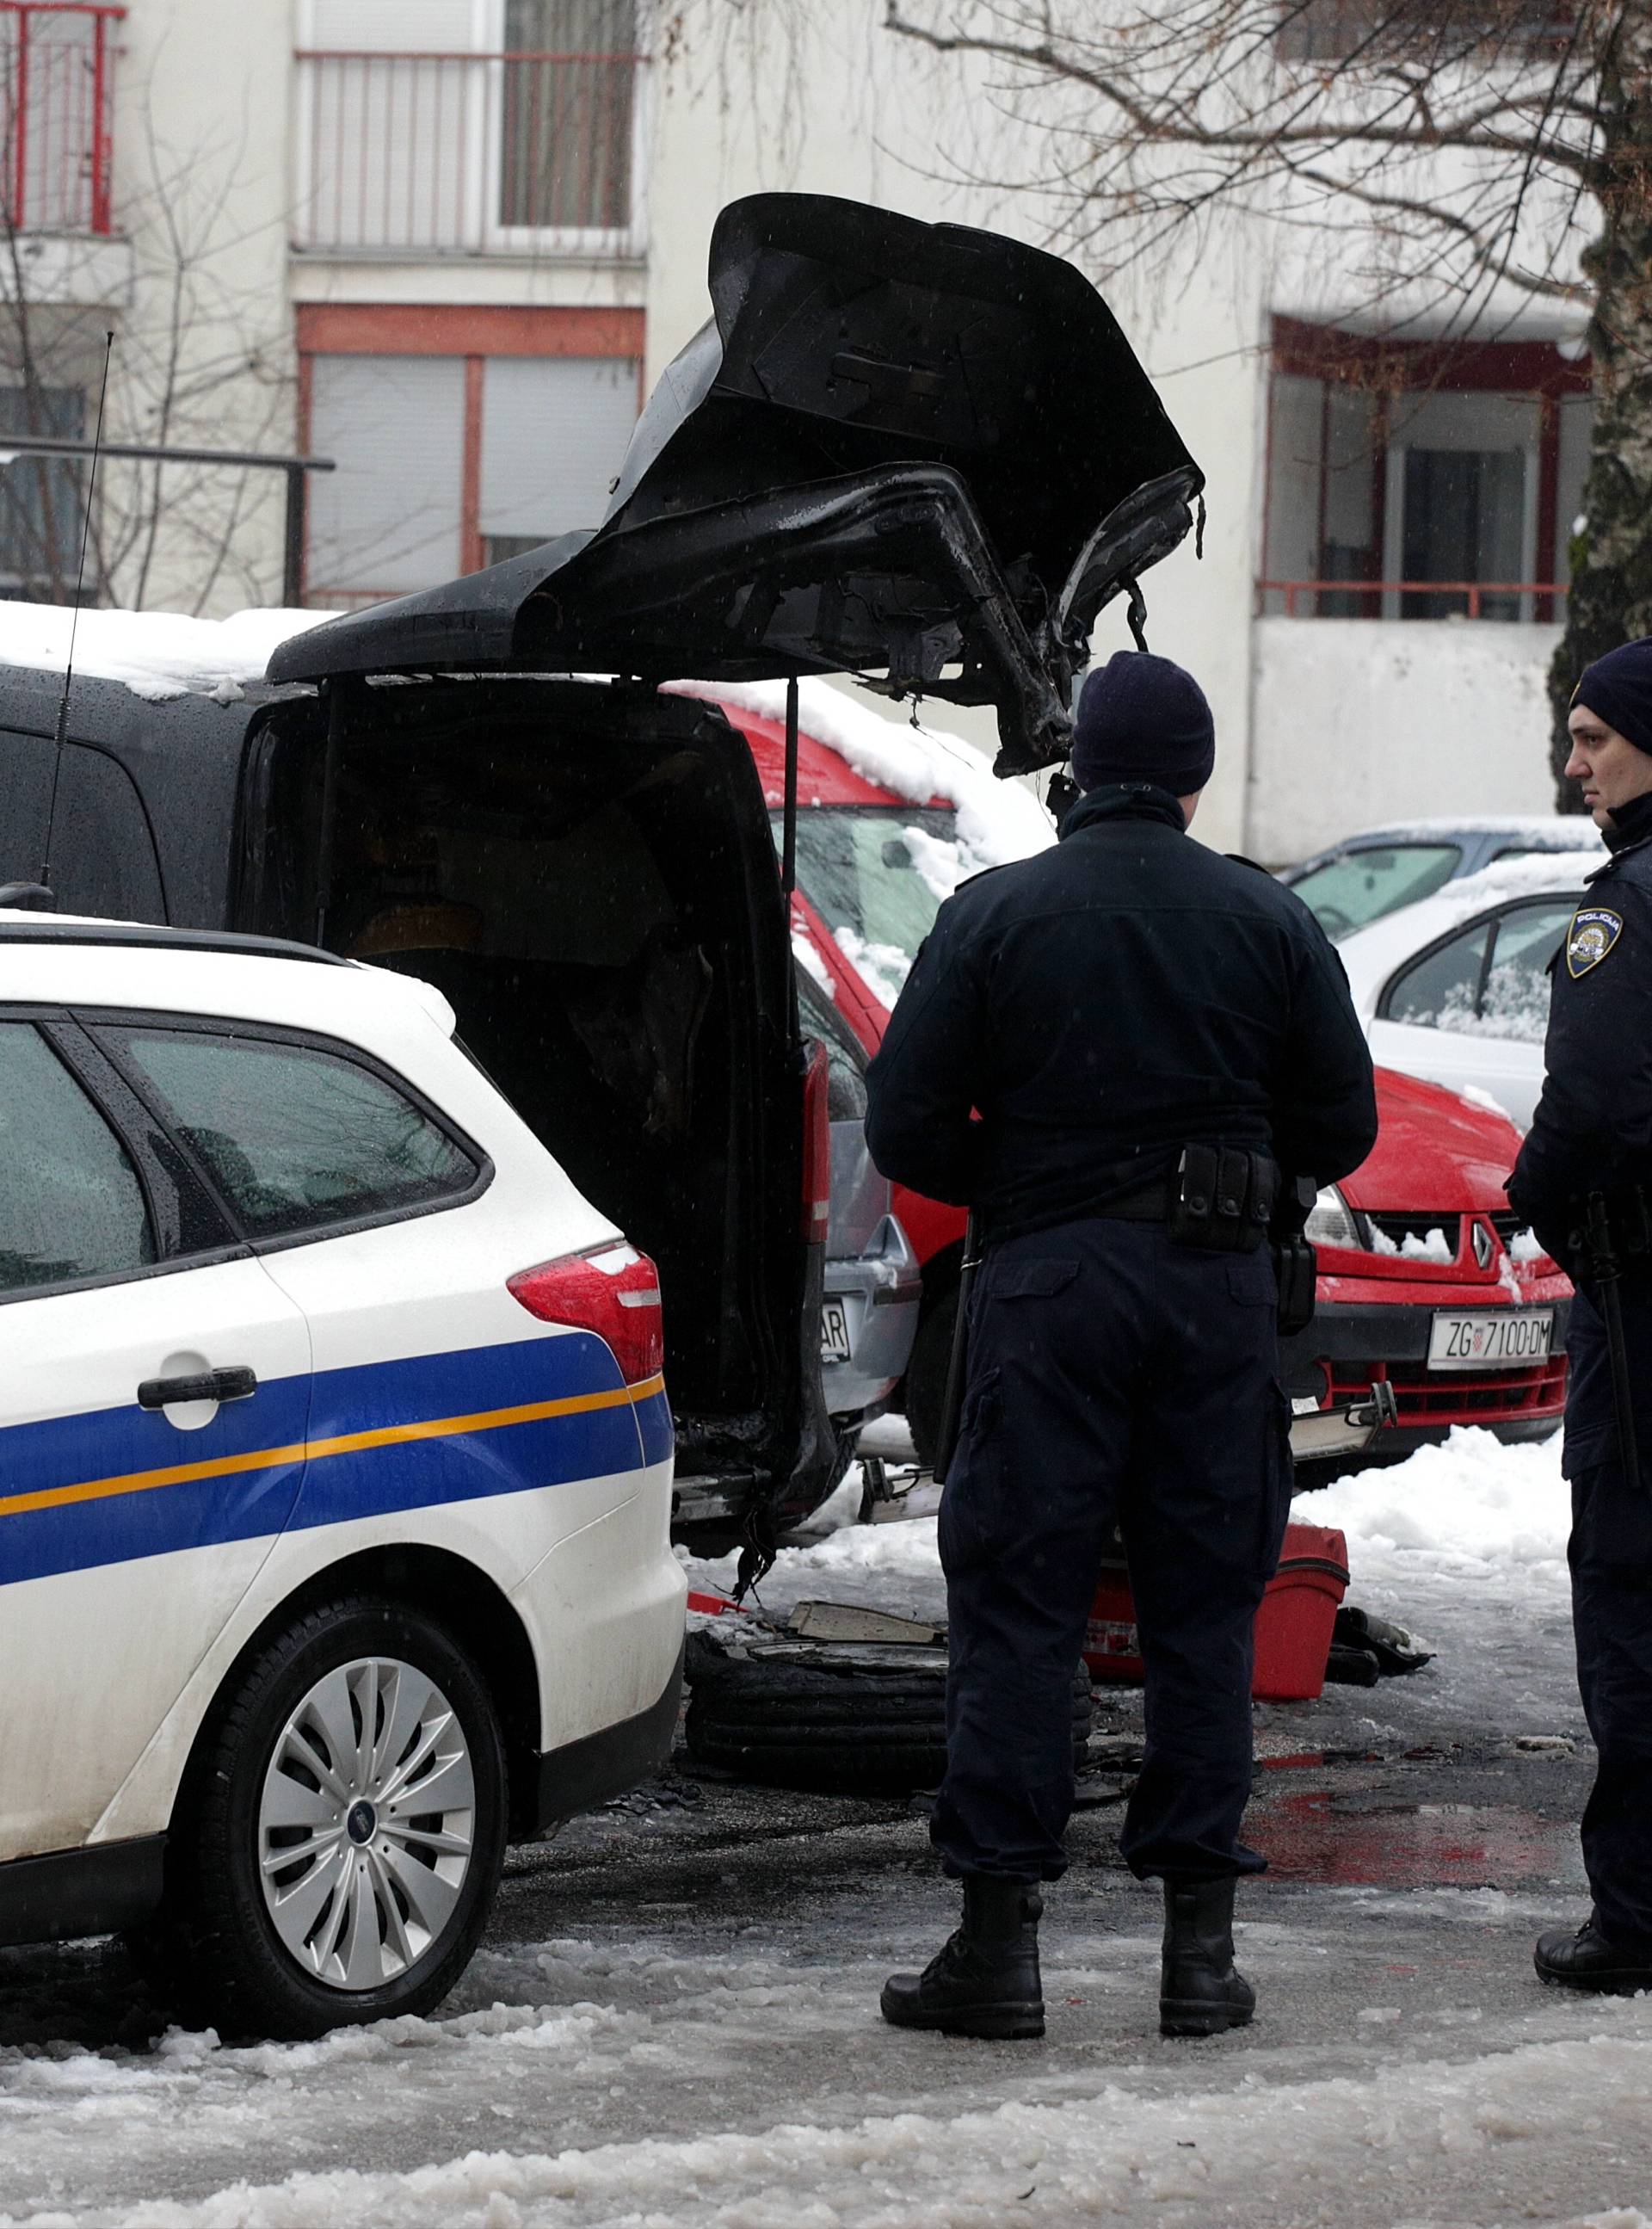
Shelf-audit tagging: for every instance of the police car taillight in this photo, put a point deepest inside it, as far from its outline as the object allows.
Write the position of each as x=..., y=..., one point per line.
x=816, y=1147
x=610, y=1290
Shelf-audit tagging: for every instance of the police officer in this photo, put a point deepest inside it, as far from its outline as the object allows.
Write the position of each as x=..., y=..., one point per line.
x=1117, y=1010
x=1591, y=1135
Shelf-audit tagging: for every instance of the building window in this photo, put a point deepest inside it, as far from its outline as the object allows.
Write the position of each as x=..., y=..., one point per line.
x=387, y=519
x=568, y=98
x=41, y=497
x=449, y=461
x=554, y=435
x=1408, y=482
x=1341, y=31
x=56, y=112
x=455, y=128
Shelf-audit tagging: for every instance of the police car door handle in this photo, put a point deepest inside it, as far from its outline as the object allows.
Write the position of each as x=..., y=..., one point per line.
x=238, y=1383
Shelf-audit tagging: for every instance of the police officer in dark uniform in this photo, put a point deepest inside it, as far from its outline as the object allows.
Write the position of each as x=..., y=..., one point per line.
x=1153, y=1036
x=1583, y=1180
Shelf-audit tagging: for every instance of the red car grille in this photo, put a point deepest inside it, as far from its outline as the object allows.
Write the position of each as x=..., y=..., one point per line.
x=1458, y=1396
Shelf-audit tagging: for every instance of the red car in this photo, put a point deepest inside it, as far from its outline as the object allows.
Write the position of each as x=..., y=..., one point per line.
x=1426, y=1280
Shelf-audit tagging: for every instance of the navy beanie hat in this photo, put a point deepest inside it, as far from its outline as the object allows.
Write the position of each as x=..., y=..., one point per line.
x=1142, y=719
x=1617, y=689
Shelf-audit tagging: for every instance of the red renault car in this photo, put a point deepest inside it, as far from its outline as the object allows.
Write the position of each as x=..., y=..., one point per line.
x=1426, y=1280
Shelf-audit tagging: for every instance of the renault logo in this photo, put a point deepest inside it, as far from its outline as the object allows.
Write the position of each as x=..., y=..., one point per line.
x=1485, y=1246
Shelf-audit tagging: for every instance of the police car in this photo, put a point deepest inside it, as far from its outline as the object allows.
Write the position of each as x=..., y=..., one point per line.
x=335, y=1473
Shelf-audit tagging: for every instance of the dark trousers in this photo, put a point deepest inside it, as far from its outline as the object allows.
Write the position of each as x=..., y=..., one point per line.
x=1610, y=1555
x=1113, y=1376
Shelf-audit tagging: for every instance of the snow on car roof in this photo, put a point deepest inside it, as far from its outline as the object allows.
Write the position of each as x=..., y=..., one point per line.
x=158, y=655
x=1369, y=953
x=1519, y=877
x=997, y=820
x=162, y=655
x=1559, y=831
x=1570, y=830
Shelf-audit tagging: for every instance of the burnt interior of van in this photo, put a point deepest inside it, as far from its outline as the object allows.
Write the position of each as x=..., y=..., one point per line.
x=575, y=868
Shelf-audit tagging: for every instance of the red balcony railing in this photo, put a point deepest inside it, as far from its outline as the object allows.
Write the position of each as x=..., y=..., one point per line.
x=56, y=96
x=466, y=153
x=1365, y=600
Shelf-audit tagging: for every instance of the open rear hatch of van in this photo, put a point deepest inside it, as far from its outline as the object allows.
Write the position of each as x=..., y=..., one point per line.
x=921, y=453
x=588, y=876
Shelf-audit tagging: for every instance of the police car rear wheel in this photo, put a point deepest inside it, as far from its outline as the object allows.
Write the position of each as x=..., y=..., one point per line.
x=349, y=1829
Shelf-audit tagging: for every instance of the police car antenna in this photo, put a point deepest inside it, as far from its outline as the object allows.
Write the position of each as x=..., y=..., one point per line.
x=74, y=617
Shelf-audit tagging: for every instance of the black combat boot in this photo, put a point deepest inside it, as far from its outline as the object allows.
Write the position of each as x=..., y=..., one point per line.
x=1587, y=1961
x=1200, y=1993
x=984, y=1980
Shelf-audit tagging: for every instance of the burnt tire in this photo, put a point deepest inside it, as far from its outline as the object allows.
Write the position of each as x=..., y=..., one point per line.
x=926, y=1373
x=379, y=1668
x=837, y=1719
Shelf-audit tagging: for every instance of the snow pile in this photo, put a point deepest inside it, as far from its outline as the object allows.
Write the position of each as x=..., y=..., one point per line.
x=997, y=820
x=1471, y=1510
x=882, y=967
x=158, y=655
x=803, y=952
x=1408, y=2132
x=1455, y=1534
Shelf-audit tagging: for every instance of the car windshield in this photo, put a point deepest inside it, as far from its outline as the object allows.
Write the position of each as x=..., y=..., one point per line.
x=1347, y=892
x=876, y=875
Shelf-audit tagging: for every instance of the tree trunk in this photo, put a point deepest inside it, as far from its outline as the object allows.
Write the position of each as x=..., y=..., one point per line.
x=1611, y=553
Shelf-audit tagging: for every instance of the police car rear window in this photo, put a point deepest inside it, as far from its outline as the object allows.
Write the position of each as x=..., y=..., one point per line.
x=296, y=1138
x=71, y=1206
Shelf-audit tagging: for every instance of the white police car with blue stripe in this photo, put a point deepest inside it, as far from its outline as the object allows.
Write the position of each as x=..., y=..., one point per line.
x=336, y=1475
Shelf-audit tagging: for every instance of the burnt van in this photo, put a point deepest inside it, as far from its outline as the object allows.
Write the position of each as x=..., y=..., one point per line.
x=922, y=454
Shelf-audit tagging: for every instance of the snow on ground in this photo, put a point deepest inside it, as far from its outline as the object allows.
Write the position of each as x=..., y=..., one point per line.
x=1462, y=1544
x=158, y=654
x=1067, y=2161
x=1470, y=1514
x=1470, y=1524
x=673, y=2025
x=681, y=2080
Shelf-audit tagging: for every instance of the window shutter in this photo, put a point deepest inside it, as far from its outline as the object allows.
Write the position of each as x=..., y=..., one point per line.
x=386, y=27
x=554, y=434
x=387, y=520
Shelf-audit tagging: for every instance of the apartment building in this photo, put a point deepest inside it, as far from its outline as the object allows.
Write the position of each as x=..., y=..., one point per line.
x=446, y=245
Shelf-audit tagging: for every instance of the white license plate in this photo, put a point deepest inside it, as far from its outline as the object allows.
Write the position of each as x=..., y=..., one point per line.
x=834, y=1332
x=1506, y=1339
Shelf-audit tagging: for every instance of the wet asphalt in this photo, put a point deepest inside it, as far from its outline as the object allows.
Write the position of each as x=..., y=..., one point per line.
x=731, y=1940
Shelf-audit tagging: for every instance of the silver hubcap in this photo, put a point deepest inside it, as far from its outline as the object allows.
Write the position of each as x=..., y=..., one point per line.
x=366, y=1823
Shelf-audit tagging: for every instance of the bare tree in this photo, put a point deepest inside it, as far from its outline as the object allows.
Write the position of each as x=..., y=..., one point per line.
x=196, y=342
x=1453, y=158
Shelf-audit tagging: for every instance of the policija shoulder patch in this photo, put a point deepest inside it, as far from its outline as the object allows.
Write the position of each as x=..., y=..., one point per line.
x=1593, y=932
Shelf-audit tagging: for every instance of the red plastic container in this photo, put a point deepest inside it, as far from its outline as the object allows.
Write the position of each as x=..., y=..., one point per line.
x=1293, y=1627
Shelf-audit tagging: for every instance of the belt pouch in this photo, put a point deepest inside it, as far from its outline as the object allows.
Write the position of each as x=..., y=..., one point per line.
x=1190, y=1218
x=1296, y=1267
x=1221, y=1197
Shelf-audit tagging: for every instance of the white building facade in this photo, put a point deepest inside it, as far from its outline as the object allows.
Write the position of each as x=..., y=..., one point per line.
x=448, y=244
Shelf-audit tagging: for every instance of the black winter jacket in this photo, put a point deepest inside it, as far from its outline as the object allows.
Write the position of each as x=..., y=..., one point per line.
x=1105, y=1004
x=1592, y=1127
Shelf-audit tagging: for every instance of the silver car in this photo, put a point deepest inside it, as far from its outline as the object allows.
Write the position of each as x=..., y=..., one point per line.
x=873, y=1283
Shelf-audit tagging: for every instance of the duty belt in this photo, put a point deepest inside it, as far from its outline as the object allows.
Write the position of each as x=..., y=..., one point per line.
x=1150, y=1205
x=1221, y=1196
